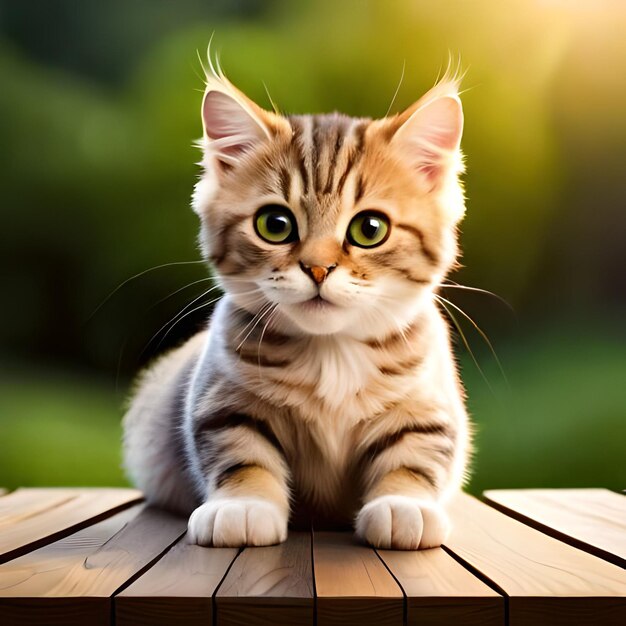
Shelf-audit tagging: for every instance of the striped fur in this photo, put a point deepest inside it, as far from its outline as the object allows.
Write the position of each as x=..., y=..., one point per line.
x=347, y=409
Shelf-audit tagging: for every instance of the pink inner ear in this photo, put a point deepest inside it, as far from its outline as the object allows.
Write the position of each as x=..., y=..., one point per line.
x=441, y=122
x=217, y=115
x=430, y=171
x=432, y=135
x=228, y=124
x=427, y=161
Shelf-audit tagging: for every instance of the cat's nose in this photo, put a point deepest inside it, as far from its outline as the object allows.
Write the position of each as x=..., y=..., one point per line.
x=318, y=273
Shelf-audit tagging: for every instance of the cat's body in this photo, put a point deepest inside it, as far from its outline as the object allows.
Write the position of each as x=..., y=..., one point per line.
x=325, y=385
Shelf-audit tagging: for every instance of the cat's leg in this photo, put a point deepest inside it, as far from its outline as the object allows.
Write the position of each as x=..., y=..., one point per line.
x=247, y=479
x=406, y=472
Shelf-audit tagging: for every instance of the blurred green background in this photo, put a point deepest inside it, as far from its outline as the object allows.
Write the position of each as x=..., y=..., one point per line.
x=99, y=107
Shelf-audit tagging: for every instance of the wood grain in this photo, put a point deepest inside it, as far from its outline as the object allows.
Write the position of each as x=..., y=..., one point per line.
x=132, y=567
x=441, y=591
x=272, y=585
x=71, y=580
x=590, y=519
x=30, y=518
x=548, y=582
x=178, y=589
x=353, y=585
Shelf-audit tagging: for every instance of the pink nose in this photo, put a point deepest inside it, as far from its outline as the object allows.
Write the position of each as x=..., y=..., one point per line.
x=317, y=272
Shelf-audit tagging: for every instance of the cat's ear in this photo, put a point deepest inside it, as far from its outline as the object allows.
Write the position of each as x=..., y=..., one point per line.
x=428, y=134
x=232, y=123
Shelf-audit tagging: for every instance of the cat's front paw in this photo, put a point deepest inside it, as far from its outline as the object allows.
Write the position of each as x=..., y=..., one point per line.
x=402, y=523
x=236, y=522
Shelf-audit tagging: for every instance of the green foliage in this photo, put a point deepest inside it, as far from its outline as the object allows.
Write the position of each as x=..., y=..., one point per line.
x=58, y=430
x=561, y=421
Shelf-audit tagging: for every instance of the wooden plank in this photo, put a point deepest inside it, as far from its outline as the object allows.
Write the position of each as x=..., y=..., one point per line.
x=30, y=518
x=441, y=591
x=272, y=585
x=71, y=580
x=590, y=519
x=548, y=582
x=178, y=589
x=353, y=586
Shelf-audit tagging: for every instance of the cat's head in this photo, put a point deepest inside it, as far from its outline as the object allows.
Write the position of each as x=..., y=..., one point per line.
x=346, y=224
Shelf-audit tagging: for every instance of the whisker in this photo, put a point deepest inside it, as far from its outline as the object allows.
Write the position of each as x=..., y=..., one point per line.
x=395, y=94
x=269, y=97
x=200, y=306
x=465, y=342
x=145, y=348
x=150, y=269
x=259, y=317
x=179, y=317
x=258, y=352
x=170, y=295
x=175, y=318
x=483, y=335
x=486, y=292
x=241, y=332
x=128, y=335
x=202, y=295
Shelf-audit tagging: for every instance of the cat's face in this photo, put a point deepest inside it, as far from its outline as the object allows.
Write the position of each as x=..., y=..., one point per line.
x=333, y=224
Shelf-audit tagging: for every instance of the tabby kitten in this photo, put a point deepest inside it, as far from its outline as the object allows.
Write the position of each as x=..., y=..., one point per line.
x=324, y=386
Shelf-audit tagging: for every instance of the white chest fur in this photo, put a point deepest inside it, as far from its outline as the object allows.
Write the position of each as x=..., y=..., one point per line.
x=344, y=383
x=340, y=367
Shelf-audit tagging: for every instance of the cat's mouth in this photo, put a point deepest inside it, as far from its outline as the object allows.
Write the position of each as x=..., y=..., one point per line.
x=318, y=303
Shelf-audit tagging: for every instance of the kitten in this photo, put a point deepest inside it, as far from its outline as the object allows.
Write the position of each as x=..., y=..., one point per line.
x=324, y=386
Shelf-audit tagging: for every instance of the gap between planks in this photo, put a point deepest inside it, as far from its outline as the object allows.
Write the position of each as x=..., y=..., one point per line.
x=72, y=581
x=548, y=582
x=31, y=517
x=593, y=520
x=148, y=541
x=322, y=578
x=179, y=588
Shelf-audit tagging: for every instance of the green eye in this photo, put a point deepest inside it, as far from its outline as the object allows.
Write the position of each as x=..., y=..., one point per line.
x=275, y=224
x=368, y=229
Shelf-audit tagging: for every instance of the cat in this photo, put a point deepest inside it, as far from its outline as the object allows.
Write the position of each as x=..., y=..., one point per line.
x=324, y=387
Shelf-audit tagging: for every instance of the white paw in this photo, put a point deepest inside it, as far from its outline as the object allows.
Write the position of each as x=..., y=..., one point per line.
x=402, y=523
x=235, y=522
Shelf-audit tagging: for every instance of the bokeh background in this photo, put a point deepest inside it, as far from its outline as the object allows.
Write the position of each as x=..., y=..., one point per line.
x=99, y=107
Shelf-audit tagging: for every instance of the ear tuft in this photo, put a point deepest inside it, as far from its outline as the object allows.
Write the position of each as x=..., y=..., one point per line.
x=430, y=134
x=233, y=124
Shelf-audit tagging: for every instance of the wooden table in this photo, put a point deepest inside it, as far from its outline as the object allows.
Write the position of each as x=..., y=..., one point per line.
x=101, y=556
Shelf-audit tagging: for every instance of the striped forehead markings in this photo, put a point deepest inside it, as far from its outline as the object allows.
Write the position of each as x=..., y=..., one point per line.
x=321, y=144
x=339, y=138
x=355, y=154
x=284, y=178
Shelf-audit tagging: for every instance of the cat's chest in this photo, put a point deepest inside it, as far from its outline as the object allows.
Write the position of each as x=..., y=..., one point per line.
x=335, y=382
x=337, y=368
x=338, y=382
